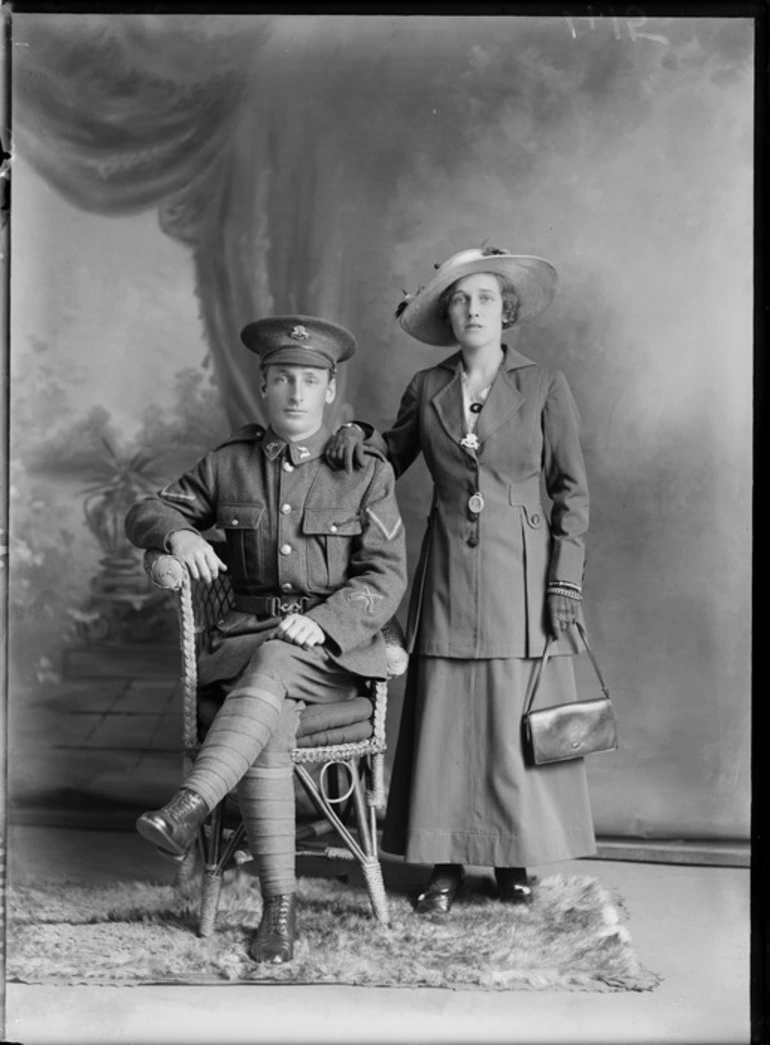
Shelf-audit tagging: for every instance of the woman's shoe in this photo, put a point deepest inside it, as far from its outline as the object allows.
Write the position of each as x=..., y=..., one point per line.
x=513, y=885
x=441, y=891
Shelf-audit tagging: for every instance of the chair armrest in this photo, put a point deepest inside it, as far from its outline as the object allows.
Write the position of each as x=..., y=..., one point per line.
x=395, y=650
x=164, y=570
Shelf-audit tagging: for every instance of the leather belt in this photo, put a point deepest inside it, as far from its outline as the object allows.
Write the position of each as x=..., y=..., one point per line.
x=275, y=605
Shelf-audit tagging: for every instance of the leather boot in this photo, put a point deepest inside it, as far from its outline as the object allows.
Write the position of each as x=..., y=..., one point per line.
x=174, y=827
x=513, y=885
x=274, y=939
x=441, y=891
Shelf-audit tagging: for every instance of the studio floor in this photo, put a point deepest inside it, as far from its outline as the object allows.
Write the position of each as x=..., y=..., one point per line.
x=688, y=923
x=110, y=747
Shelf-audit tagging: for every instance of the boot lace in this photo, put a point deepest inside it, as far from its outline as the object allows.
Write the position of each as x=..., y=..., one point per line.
x=278, y=910
x=185, y=802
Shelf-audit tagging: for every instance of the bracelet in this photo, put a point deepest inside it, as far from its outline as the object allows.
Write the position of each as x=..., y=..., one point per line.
x=352, y=424
x=566, y=592
x=566, y=584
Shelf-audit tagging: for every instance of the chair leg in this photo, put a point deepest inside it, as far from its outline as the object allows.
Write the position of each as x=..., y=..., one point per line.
x=370, y=865
x=376, y=886
x=364, y=848
x=211, y=887
x=211, y=882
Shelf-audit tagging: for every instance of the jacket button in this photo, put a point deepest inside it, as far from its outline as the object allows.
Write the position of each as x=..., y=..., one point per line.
x=472, y=540
x=285, y=549
x=285, y=509
x=286, y=586
x=287, y=466
x=333, y=528
x=535, y=519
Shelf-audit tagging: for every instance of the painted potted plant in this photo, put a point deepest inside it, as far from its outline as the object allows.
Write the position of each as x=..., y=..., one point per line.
x=123, y=604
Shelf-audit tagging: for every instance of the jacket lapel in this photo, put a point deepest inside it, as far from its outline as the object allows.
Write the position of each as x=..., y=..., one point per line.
x=504, y=398
x=448, y=402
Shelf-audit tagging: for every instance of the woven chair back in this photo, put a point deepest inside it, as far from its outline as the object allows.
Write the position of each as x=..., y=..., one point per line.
x=211, y=601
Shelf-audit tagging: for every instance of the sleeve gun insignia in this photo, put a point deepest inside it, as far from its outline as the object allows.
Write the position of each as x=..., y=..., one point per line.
x=367, y=596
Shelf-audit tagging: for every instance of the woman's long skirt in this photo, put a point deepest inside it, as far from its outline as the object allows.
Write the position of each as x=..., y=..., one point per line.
x=461, y=790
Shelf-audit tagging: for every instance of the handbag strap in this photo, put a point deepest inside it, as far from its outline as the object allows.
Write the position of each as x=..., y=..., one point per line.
x=543, y=660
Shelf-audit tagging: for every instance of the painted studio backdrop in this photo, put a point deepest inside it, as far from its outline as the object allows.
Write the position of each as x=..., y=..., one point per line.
x=177, y=176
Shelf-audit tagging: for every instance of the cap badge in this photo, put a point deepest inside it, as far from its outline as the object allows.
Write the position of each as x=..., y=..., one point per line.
x=299, y=333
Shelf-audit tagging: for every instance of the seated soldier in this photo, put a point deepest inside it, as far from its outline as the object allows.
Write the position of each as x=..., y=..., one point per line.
x=317, y=562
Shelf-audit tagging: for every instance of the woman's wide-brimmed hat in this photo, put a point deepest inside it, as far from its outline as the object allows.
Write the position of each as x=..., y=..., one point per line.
x=534, y=279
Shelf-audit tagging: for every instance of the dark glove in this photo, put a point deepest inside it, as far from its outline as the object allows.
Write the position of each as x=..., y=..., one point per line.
x=345, y=449
x=562, y=613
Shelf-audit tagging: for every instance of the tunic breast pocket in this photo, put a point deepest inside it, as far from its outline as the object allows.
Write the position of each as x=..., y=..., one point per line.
x=330, y=532
x=241, y=524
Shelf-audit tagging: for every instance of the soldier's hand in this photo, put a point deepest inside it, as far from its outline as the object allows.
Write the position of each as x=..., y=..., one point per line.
x=197, y=554
x=302, y=631
x=562, y=613
x=346, y=449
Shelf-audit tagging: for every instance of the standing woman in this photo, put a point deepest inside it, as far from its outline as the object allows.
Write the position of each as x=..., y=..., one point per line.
x=497, y=573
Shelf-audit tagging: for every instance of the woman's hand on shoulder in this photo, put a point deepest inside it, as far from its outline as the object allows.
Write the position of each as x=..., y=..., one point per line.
x=562, y=613
x=345, y=449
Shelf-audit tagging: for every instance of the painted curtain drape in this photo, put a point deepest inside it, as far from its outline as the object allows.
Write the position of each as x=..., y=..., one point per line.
x=186, y=115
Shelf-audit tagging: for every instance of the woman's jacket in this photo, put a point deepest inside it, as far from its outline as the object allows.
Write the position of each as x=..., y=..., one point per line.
x=479, y=588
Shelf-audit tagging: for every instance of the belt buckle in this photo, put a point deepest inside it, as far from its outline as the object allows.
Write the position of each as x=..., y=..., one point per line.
x=298, y=606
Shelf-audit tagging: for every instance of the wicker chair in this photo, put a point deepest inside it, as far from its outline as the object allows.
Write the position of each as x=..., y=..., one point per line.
x=199, y=606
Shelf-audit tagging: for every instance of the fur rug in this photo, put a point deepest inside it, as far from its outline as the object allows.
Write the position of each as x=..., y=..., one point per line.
x=130, y=933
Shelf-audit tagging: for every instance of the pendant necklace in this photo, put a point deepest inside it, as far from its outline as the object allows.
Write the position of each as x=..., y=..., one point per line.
x=472, y=406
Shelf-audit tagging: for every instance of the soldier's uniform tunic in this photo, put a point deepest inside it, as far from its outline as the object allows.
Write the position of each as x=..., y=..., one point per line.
x=295, y=528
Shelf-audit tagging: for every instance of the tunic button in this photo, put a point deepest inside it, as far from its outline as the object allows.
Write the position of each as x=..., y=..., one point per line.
x=333, y=528
x=285, y=549
x=233, y=522
x=288, y=466
x=285, y=509
x=286, y=587
x=535, y=519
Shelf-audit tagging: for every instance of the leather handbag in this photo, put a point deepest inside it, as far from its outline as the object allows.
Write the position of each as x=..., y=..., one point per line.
x=565, y=731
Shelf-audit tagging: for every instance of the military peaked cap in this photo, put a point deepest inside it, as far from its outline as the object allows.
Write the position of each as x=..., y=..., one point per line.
x=301, y=340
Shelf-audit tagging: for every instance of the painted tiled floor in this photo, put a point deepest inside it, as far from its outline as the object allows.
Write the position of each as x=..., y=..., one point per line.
x=85, y=745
